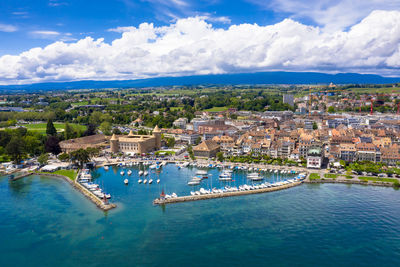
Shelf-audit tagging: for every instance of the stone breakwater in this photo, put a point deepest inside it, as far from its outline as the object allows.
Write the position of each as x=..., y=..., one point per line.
x=160, y=201
x=92, y=197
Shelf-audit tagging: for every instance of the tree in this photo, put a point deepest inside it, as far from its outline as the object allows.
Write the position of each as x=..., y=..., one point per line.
x=91, y=130
x=15, y=149
x=33, y=145
x=105, y=127
x=50, y=129
x=43, y=159
x=331, y=109
x=198, y=140
x=171, y=142
x=69, y=132
x=63, y=157
x=52, y=145
x=80, y=156
x=93, y=151
x=220, y=156
x=315, y=126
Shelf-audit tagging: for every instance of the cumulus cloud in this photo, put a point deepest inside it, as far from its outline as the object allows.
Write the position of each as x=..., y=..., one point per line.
x=330, y=14
x=193, y=46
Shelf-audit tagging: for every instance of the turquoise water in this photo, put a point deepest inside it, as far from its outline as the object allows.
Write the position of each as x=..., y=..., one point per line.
x=43, y=222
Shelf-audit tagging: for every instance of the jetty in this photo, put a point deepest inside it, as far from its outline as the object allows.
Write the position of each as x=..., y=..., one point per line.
x=163, y=201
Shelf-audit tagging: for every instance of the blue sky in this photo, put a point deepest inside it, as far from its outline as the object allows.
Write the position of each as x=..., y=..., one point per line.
x=62, y=40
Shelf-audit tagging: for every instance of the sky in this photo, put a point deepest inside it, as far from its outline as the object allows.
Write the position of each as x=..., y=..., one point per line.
x=69, y=40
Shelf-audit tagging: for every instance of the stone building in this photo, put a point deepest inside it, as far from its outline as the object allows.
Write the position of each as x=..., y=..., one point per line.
x=207, y=149
x=136, y=144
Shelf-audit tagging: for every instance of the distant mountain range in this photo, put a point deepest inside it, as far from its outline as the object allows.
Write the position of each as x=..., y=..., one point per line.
x=220, y=79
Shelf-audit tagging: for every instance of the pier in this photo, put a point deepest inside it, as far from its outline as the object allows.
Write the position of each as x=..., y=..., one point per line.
x=163, y=201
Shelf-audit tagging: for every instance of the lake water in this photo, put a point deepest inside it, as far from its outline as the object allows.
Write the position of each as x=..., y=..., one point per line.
x=44, y=222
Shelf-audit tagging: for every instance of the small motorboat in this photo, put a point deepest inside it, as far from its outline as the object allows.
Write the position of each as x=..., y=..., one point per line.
x=106, y=168
x=122, y=173
x=158, y=181
x=126, y=181
x=129, y=172
x=150, y=181
x=140, y=173
x=146, y=173
x=193, y=183
x=145, y=181
x=140, y=181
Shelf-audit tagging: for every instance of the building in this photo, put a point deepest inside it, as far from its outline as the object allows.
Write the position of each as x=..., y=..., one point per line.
x=314, y=158
x=288, y=99
x=180, y=123
x=207, y=149
x=93, y=141
x=136, y=144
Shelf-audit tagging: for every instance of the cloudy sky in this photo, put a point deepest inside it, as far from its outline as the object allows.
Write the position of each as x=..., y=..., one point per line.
x=67, y=40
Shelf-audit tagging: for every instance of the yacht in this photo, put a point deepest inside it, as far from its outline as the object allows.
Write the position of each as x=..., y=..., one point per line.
x=150, y=181
x=255, y=176
x=202, y=174
x=145, y=173
x=122, y=173
x=225, y=176
x=145, y=181
x=140, y=181
x=140, y=173
x=158, y=181
x=129, y=172
x=126, y=181
x=192, y=183
x=153, y=166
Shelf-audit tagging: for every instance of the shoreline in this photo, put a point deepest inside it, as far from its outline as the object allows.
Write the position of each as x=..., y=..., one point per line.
x=88, y=194
x=348, y=181
x=159, y=201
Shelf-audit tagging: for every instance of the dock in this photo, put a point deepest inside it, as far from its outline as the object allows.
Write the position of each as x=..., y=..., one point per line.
x=160, y=201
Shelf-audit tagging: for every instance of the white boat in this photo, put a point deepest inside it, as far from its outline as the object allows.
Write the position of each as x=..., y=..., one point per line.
x=158, y=181
x=106, y=168
x=145, y=181
x=129, y=172
x=150, y=181
x=145, y=173
x=192, y=193
x=192, y=183
x=174, y=195
x=140, y=181
x=153, y=166
x=126, y=181
x=255, y=177
x=122, y=173
x=140, y=173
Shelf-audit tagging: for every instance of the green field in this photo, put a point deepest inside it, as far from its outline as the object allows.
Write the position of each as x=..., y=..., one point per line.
x=375, y=179
x=176, y=108
x=314, y=176
x=216, y=109
x=41, y=127
x=330, y=175
x=71, y=174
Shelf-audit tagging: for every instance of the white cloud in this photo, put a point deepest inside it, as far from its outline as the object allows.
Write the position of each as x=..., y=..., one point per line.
x=8, y=28
x=44, y=34
x=192, y=46
x=331, y=14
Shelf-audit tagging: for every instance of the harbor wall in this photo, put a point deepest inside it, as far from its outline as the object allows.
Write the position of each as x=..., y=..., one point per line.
x=160, y=201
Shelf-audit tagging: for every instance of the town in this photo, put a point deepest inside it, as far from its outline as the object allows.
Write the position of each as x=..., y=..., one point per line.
x=345, y=130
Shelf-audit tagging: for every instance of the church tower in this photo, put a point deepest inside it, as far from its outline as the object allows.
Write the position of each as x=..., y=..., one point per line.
x=114, y=144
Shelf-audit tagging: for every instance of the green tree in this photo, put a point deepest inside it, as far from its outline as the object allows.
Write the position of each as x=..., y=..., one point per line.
x=80, y=157
x=93, y=151
x=220, y=156
x=52, y=145
x=63, y=157
x=50, y=129
x=105, y=127
x=43, y=159
x=171, y=142
x=331, y=109
x=33, y=145
x=69, y=132
x=15, y=149
x=315, y=126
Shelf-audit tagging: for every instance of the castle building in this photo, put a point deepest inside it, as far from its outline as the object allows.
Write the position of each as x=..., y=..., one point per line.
x=136, y=144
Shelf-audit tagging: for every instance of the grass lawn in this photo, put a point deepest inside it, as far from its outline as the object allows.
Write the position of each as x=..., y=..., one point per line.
x=314, y=176
x=71, y=174
x=83, y=103
x=349, y=177
x=375, y=179
x=165, y=153
x=41, y=127
x=330, y=175
x=176, y=108
x=216, y=109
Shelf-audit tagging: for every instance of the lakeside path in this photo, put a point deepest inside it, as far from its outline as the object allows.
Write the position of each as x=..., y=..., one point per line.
x=87, y=193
